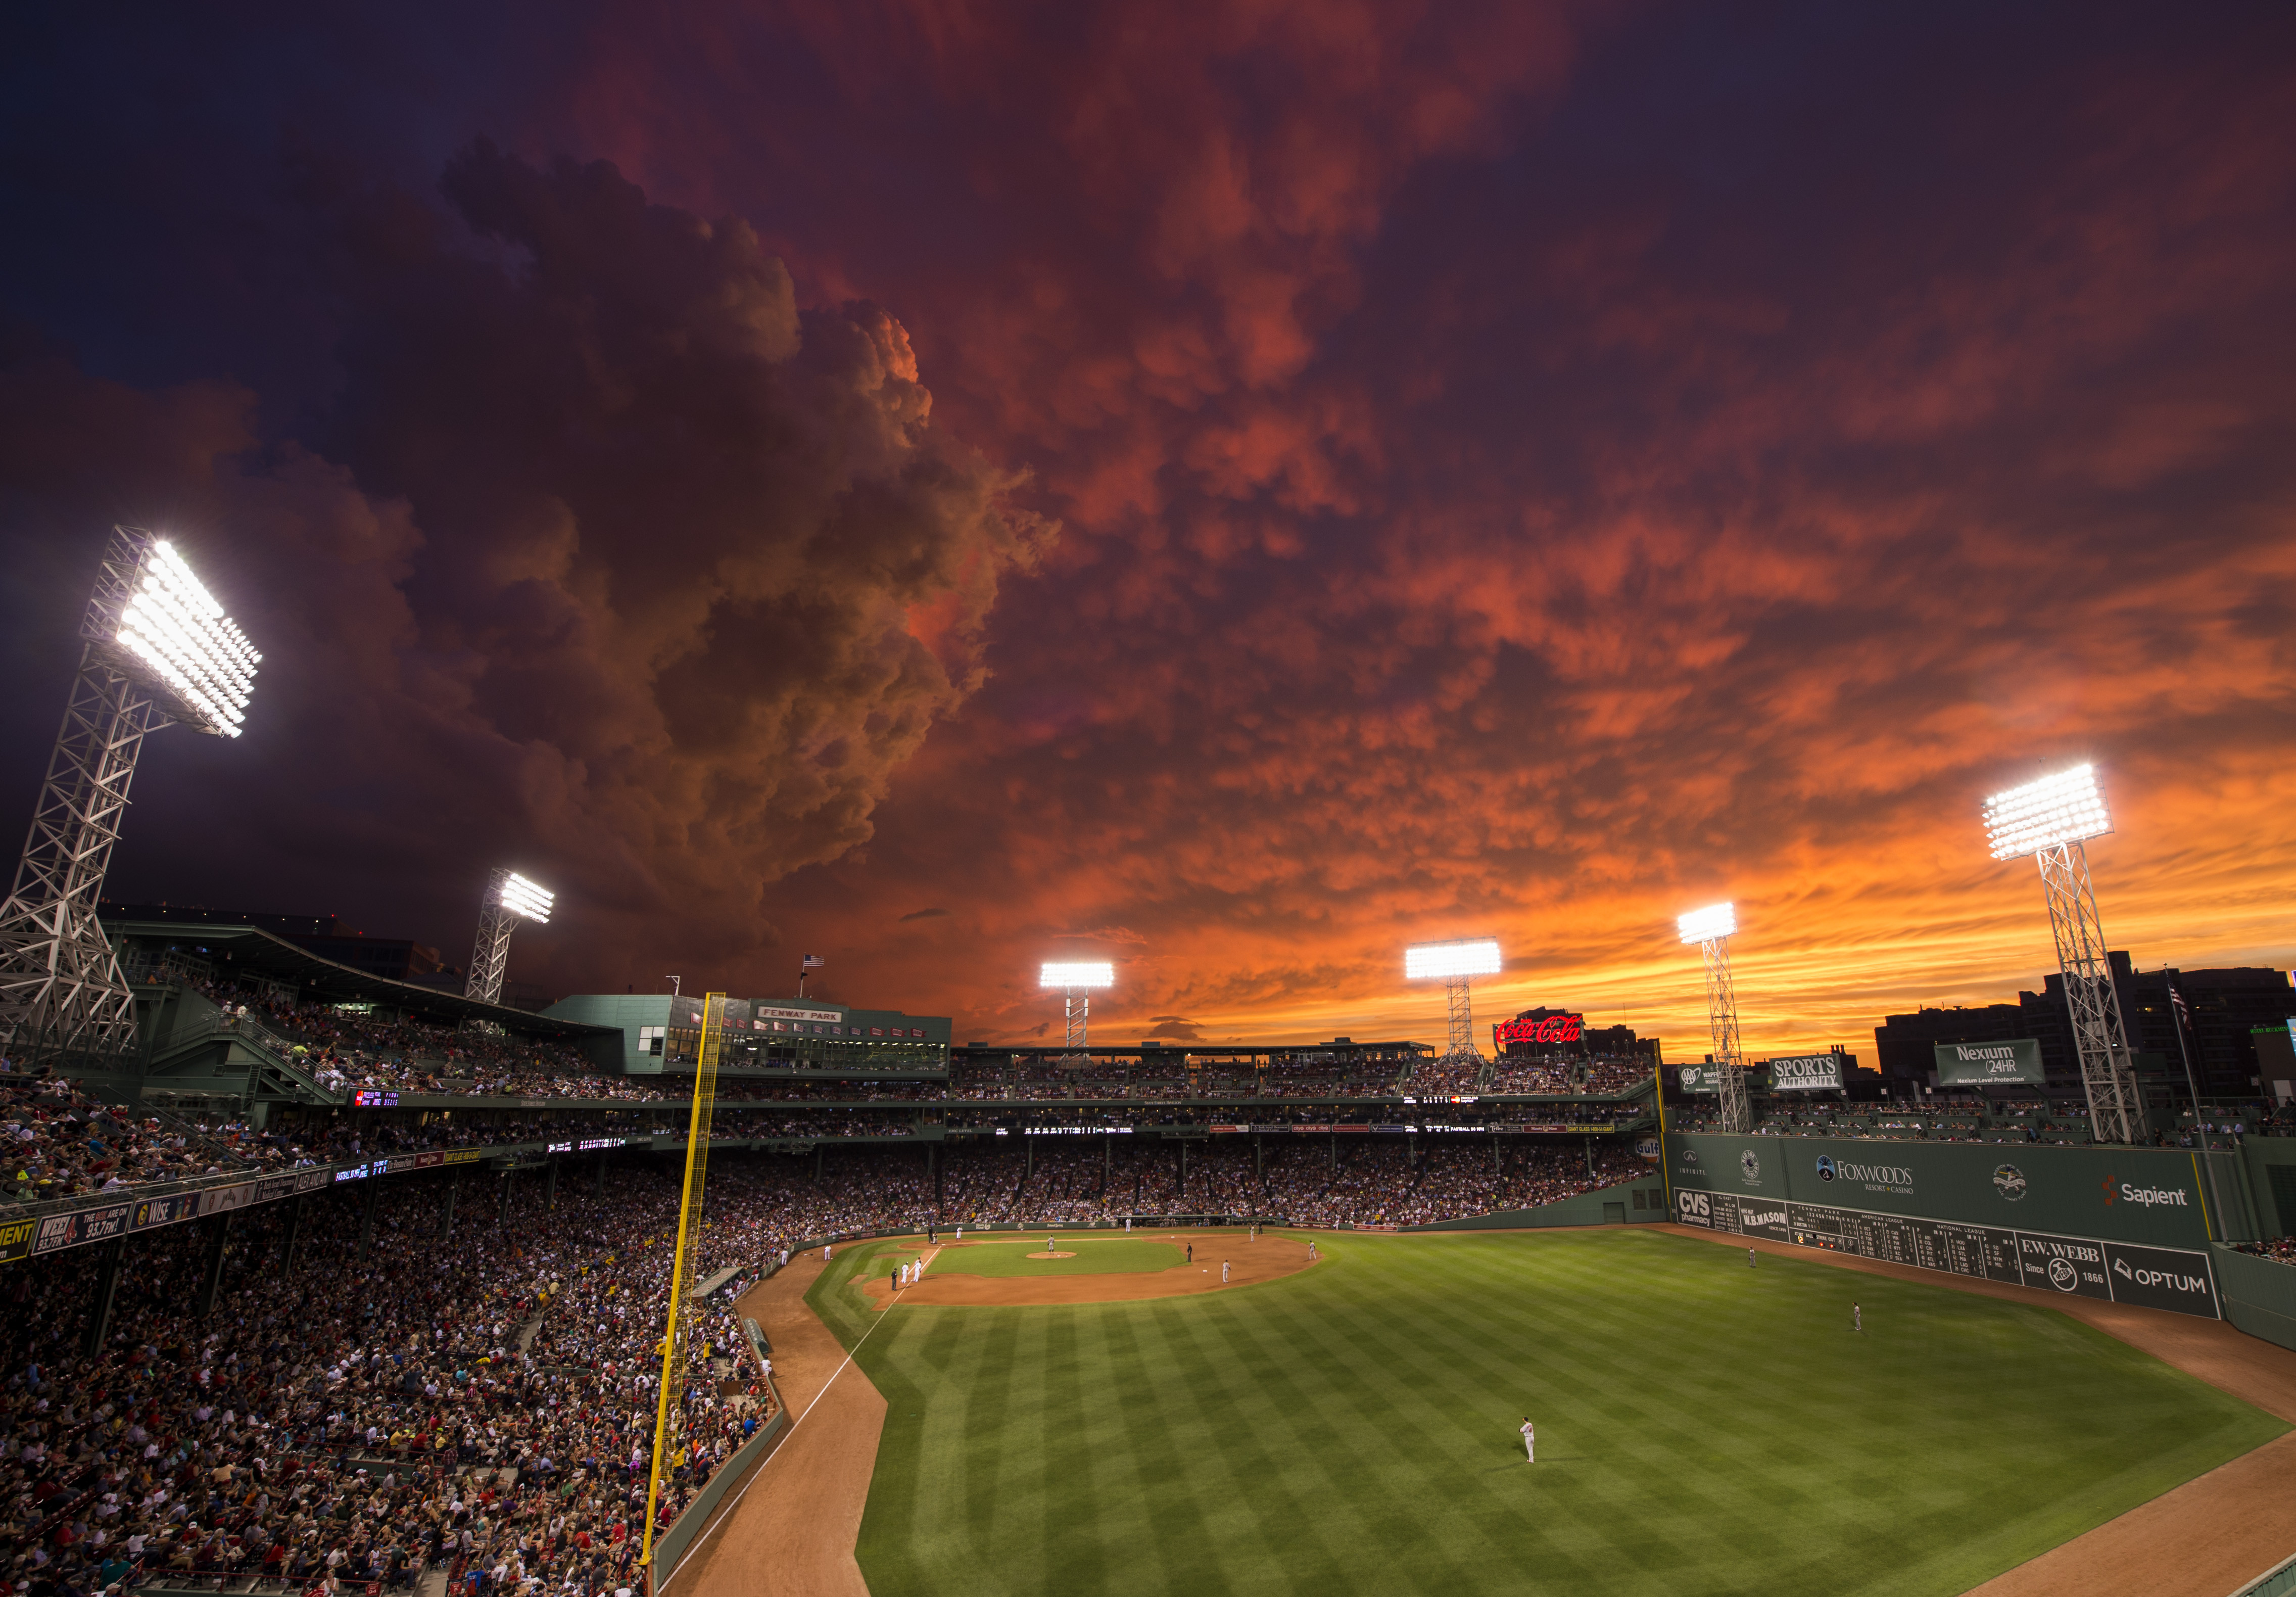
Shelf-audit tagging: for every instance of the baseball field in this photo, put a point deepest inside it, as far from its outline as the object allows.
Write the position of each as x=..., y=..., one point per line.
x=1704, y=1427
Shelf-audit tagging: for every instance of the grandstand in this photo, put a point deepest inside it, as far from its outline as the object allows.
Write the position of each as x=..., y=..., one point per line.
x=353, y=1275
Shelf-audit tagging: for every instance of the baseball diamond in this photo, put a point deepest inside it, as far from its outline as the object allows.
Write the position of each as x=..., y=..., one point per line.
x=1354, y=1426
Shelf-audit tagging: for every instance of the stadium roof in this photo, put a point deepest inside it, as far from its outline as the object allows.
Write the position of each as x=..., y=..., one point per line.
x=257, y=951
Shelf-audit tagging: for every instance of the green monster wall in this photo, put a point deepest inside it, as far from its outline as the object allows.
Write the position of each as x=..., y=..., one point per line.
x=2126, y=1224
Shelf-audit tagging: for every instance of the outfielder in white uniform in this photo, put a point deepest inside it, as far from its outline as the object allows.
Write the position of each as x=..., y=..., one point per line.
x=1530, y=1442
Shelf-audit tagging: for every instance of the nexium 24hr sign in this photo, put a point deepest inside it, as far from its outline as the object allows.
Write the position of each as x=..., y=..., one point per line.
x=2015, y=1064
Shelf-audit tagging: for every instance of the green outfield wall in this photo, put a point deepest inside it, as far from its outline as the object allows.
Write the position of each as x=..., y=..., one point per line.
x=2259, y=1295
x=1642, y=1199
x=2121, y=1224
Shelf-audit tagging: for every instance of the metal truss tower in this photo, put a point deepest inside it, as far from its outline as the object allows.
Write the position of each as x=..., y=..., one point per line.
x=155, y=649
x=2052, y=818
x=2116, y=1107
x=491, y=958
x=1076, y=982
x=1461, y=1044
x=1722, y=1026
x=510, y=898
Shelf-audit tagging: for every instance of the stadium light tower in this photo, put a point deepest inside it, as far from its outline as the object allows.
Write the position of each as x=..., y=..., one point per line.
x=2053, y=819
x=155, y=649
x=1710, y=929
x=510, y=899
x=1455, y=962
x=1077, y=983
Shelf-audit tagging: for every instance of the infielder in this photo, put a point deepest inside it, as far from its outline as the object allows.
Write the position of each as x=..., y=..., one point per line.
x=1530, y=1442
x=1222, y=1272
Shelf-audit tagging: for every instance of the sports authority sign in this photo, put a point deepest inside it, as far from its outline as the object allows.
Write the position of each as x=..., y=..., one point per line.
x=1544, y=1031
x=1806, y=1073
x=2016, y=1064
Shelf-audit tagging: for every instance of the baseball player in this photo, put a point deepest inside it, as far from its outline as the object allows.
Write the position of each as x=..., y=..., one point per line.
x=1750, y=1258
x=1856, y=1318
x=1530, y=1442
x=1222, y=1272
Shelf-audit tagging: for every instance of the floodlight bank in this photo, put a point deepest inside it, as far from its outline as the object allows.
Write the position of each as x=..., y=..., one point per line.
x=2056, y=810
x=1478, y=957
x=1079, y=976
x=1715, y=920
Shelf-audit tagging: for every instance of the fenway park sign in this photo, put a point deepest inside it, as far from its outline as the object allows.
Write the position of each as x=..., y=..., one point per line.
x=1543, y=1032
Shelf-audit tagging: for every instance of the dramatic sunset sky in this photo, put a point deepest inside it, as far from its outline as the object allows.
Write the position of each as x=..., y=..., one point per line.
x=1234, y=489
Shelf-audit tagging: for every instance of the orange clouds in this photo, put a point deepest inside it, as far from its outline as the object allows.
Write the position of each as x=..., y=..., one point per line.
x=1517, y=470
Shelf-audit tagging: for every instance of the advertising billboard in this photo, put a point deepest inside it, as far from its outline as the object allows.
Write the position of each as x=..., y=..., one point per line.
x=1701, y=1078
x=1806, y=1073
x=2016, y=1064
x=1543, y=1031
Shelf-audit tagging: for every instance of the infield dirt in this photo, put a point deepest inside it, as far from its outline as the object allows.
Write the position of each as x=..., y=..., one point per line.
x=1250, y=1261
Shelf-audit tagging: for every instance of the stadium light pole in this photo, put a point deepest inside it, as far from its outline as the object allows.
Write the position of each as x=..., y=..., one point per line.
x=1711, y=929
x=1077, y=983
x=2053, y=819
x=155, y=649
x=1456, y=962
x=510, y=898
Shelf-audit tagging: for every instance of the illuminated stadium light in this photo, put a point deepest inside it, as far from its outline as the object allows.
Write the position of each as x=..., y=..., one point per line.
x=1711, y=929
x=2053, y=819
x=1467, y=957
x=175, y=628
x=1454, y=962
x=509, y=899
x=522, y=897
x=156, y=649
x=1077, y=981
x=1077, y=978
x=2048, y=813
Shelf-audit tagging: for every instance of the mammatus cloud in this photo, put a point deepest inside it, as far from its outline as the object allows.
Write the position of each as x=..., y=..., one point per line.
x=1513, y=479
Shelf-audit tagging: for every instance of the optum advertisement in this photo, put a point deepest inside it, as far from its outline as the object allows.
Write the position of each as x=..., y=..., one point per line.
x=2119, y=1225
x=2128, y=1194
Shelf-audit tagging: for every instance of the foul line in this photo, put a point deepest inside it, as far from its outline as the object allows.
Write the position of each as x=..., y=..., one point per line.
x=726, y=1513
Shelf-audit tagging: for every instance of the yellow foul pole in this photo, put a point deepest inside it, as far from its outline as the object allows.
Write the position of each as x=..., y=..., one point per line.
x=697, y=1164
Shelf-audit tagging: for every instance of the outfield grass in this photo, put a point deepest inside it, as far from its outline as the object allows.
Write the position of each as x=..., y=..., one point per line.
x=1115, y=1256
x=1704, y=1428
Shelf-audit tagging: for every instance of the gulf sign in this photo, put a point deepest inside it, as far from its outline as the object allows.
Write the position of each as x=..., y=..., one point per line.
x=1543, y=1032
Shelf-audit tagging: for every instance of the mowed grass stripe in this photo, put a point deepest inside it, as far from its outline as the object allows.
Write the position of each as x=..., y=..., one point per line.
x=1706, y=1427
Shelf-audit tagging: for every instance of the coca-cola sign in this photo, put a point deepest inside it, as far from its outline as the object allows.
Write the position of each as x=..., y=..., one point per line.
x=1542, y=1033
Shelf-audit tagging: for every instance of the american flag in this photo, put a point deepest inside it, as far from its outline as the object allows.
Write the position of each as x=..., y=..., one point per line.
x=810, y=962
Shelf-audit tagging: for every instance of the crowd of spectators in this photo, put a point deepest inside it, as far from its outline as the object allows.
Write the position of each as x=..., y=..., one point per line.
x=365, y=1418
x=2282, y=1248
x=59, y=1142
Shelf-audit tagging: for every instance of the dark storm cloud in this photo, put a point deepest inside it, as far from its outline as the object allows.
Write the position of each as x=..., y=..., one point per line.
x=925, y=915
x=607, y=557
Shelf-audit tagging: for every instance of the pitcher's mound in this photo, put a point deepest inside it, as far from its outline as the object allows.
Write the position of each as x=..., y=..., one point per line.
x=1049, y=1256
